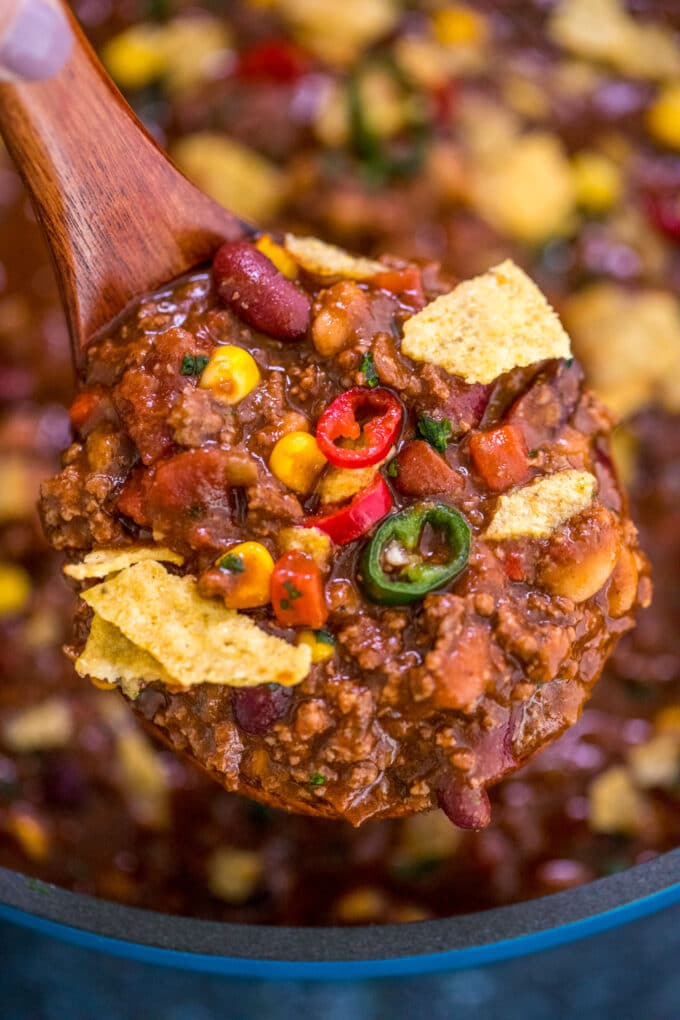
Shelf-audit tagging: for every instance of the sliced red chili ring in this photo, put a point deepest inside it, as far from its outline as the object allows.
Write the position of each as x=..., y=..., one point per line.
x=373, y=415
x=359, y=516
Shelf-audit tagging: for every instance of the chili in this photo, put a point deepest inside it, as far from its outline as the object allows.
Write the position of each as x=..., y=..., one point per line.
x=343, y=420
x=359, y=516
x=417, y=576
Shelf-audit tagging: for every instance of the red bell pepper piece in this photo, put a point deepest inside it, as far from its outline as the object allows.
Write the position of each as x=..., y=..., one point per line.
x=406, y=284
x=297, y=592
x=84, y=407
x=373, y=415
x=359, y=516
x=276, y=60
x=500, y=457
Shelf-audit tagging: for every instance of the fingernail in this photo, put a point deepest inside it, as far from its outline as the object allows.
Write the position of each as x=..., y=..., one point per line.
x=37, y=43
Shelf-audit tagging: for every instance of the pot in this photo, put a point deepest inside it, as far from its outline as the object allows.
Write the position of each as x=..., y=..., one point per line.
x=280, y=953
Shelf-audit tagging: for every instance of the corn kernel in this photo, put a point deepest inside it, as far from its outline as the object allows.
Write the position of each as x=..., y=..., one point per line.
x=322, y=650
x=458, y=26
x=135, y=58
x=232, y=373
x=250, y=566
x=597, y=181
x=668, y=720
x=297, y=461
x=15, y=589
x=278, y=255
x=30, y=833
x=663, y=117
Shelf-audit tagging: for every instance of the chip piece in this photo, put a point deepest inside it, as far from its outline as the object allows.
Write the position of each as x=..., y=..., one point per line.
x=323, y=259
x=194, y=640
x=537, y=509
x=340, y=484
x=486, y=326
x=109, y=656
x=102, y=562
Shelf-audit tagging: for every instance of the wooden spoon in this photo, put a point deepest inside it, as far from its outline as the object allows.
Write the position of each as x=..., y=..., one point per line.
x=120, y=220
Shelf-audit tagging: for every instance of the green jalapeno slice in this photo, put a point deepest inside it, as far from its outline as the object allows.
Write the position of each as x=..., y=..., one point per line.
x=394, y=569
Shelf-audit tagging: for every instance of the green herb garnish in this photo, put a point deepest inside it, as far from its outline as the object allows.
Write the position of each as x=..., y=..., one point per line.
x=316, y=779
x=232, y=563
x=392, y=468
x=367, y=368
x=293, y=592
x=324, y=637
x=193, y=364
x=435, y=431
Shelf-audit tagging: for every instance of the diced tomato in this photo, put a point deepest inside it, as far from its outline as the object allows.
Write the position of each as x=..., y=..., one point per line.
x=132, y=497
x=422, y=472
x=513, y=565
x=298, y=597
x=500, y=457
x=276, y=60
x=406, y=284
x=663, y=209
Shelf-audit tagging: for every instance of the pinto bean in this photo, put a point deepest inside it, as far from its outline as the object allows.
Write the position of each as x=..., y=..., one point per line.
x=258, y=293
x=624, y=584
x=580, y=561
x=338, y=311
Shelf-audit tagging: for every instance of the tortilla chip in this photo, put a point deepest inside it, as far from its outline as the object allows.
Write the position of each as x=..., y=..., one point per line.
x=109, y=656
x=539, y=508
x=194, y=640
x=102, y=562
x=486, y=326
x=323, y=259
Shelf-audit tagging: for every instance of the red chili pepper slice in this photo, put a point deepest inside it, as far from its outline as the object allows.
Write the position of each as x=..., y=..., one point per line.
x=373, y=415
x=359, y=516
x=297, y=592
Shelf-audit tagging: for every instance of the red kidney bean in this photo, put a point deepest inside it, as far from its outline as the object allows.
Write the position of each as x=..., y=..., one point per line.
x=257, y=708
x=467, y=807
x=258, y=293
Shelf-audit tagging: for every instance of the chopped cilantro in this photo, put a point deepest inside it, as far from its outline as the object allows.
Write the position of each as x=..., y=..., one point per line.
x=316, y=779
x=367, y=368
x=232, y=563
x=569, y=362
x=434, y=431
x=193, y=364
x=533, y=453
x=293, y=592
x=195, y=511
x=393, y=468
x=324, y=637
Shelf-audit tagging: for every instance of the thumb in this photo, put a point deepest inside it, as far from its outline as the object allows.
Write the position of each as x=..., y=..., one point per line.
x=35, y=39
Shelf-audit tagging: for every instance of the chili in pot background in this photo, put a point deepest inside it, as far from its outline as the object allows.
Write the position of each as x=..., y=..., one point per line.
x=442, y=133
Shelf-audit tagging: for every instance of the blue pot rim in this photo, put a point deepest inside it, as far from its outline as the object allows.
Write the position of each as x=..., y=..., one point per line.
x=284, y=953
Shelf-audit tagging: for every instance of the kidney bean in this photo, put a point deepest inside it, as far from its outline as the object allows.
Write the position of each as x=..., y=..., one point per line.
x=258, y=293
x=468, y=807
x=257, y=708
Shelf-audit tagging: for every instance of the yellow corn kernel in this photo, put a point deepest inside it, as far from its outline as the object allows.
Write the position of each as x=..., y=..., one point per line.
x=663, y=116
x=30, y=833
x=597, y=181
x=231, y=372
x=297, y=461
x=15, y=589
x=278, y=255
x=135, y=58
x=458, y=26
x=322, y=649
x=668, y=720
x=250, y=566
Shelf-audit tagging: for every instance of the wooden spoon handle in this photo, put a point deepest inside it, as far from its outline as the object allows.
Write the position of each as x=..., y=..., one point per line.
x=119, y=218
